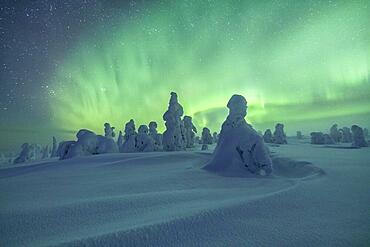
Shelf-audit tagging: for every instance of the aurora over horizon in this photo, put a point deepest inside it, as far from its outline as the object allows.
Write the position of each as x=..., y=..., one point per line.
x=302, y=63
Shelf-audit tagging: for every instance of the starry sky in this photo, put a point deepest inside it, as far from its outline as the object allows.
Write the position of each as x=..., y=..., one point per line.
x=67, y=65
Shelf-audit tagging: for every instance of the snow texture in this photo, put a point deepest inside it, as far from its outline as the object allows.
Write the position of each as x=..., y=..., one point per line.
x=166, y=199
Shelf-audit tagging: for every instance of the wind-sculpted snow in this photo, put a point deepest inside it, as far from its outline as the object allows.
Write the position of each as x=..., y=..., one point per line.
x=150, y=199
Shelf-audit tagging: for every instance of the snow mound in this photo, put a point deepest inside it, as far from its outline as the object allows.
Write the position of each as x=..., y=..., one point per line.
x=285, y=167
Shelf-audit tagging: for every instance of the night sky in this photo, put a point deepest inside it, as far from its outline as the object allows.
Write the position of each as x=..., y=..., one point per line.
x=67, y=65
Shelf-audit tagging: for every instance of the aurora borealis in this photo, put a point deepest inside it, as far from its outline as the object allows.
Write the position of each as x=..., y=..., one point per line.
x=303, y=63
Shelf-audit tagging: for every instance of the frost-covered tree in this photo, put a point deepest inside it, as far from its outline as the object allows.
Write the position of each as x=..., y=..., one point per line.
x=206, y=138
x=173, y=136
x=197, y=140
x=321, y=138
x=3, y=159
x=215, y=137
x=239, y=146
x=346, y=135
x=63, y=149
x=24, y=155
x=335, y=133
x=144, y=143
x=35, y=152
x=54, y=148
x=267, y=136
x=88, y=143
x=106, y=145
x=129, y=144
x=120, y=139
x=189, y=131
x=109, y=131
x=45, y=152
x=358, y=137
x=157, y=137
x=299, y=135
x=328, y=139
x=279, y=134
x=30, y=152
x=317, y=138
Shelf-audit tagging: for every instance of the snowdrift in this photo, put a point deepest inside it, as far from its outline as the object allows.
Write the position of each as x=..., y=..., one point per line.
x=166, y=199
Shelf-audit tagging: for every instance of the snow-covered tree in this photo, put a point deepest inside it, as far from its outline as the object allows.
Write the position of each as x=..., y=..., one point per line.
x=239, y=146
x=215, y=137
x=144, y=143
x=45, y=152
x=358, y=137
x=173, y=136
x=189, y=131
x=129, y=144
x=335, y=133
x=109, y=131
x=299, y=135
x=346, y=135
x=63, y=149
x=88, y=143
x=24, y=155
x=206, y=138
x=267, y=136
x=279, y=134
x=35, y=152
x=54, y=148
x=321, y=138
x=120, y=139
x=153, y=133
x=328, y=139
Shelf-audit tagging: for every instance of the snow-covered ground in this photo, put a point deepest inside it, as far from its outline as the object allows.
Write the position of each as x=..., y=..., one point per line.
x=318, y=196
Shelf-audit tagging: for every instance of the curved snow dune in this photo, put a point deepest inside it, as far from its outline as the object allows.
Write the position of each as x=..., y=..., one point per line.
x=128, y=199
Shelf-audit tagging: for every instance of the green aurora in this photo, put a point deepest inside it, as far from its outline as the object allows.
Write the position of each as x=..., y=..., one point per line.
x=303, y=63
